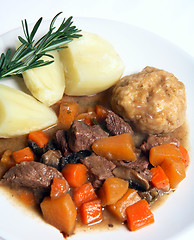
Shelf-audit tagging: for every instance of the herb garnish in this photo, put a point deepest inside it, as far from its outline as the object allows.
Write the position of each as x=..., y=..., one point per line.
x=28, y=55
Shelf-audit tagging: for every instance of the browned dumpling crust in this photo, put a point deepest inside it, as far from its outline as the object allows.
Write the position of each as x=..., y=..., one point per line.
x=153, y=100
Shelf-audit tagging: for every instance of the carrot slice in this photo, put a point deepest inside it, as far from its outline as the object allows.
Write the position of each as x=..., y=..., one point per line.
x=83, y=194
x=160, y=153
x=159, y=179
x=87, y=118
x=22, y=155
x=67, y=113
x=119, y=208
x=185, y=155
x=58, y=188
x=91, y=212
x=75, y=174
x=101, y=113
x=39, y=137
x=174, y=170
x=139, y=215
x=119, y=147
x=112, y=190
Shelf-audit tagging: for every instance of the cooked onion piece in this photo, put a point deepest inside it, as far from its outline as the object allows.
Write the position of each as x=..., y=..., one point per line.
x=153, y=100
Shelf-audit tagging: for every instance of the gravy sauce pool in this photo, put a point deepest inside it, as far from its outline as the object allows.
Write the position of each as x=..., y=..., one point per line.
x=86, y=103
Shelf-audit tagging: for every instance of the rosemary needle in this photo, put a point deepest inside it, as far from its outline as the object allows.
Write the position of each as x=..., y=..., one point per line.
x=28, y=55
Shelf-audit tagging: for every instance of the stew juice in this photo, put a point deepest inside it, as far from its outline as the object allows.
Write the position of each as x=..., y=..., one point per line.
x=134, y=179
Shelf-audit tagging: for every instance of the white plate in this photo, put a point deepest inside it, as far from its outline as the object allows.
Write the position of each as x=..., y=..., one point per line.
x=138, y=48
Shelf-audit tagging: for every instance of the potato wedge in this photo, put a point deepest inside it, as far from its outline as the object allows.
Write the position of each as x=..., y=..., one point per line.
x=91, y=65
x=21, y=113
x=46, y=83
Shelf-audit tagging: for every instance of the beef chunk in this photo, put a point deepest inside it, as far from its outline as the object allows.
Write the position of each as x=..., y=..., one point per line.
x=51, y=158
x=116, y=125
x=99, y=167
x=135, y=179
x=32, y=175
x=61, y=142
x=141, y=165
x=82, y=136
x=154, y=140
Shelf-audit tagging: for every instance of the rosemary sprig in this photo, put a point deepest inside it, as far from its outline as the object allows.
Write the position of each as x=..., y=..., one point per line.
x=28, y=55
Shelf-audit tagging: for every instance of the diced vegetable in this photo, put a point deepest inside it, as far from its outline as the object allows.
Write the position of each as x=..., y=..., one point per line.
x=47, y=83
x=7, y=159
x=139, y=215
x=170, y=158
x=22, y=155
x=185, y=155
x=58, y=188
x=26, y=197
x=21, y=113
x=159, y=179
x=91, y=65
x=160, y=153
x=83, y=194
x=39, y=137
x=101, y=113
x=119, y=208
x=174, y=170
x=75, y=174
x=91, y=212
x=87, y=118
x=112, y=190
x=119, y=147
x=60, y=212
x=67, y=113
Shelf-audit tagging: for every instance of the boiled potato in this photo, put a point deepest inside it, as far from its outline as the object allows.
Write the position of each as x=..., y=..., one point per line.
x=91, y=65
x=21, y=113
x=46, y=83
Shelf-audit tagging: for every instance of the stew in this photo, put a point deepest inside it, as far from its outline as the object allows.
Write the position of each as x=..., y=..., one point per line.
x=92, y=166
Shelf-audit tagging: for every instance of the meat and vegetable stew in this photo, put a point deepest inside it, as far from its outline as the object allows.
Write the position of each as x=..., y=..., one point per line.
x=117, y=151
x=94, y=164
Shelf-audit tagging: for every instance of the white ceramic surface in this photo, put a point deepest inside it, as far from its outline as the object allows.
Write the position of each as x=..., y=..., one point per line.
x=138, y=48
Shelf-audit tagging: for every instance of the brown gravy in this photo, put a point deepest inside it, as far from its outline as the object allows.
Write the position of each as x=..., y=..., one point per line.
x=87, y=103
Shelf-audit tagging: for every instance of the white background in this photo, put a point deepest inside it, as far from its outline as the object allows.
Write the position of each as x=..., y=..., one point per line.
x=170, y=19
